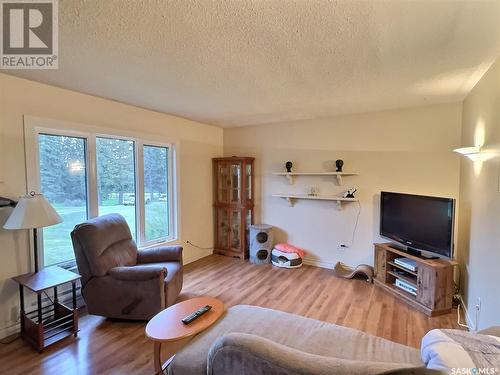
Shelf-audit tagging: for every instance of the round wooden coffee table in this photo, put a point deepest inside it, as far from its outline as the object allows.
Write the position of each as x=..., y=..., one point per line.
x=166, y=327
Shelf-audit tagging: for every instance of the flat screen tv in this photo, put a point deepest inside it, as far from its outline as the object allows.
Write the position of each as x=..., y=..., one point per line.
x=419, y=222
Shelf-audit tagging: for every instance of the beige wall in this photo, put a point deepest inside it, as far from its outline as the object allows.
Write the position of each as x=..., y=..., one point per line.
x=402, y=150
x=405, y=151
x=198, y=144
x=480, y=200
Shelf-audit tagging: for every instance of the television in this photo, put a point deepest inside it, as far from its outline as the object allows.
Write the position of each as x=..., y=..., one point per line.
x=419, y=222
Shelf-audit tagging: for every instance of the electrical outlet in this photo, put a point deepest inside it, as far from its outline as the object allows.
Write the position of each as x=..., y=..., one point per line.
x=477, y=314
x=478, y=304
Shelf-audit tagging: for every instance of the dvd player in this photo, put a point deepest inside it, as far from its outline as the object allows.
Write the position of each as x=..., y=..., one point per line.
x=409, y=264
x=407, y=287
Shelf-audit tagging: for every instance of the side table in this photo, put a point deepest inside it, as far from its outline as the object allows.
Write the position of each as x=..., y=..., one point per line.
x=48, y=324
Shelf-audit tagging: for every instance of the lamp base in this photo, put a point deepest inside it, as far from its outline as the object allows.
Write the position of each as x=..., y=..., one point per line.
x=35, y=247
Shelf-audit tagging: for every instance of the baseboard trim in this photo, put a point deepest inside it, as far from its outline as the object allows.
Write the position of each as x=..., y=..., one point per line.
x=318, y=263
x=15, y=328
x=191, y=259
x=468, y=321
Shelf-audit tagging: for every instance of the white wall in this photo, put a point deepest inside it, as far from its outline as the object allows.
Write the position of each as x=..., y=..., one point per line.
x=198, y=144
x=404, y=150
x=480, y=200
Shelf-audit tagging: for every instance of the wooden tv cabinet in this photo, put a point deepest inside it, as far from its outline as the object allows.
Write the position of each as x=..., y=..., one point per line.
x=433, y=279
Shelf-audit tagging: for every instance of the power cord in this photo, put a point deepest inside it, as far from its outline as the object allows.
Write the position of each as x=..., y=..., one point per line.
x=458, y=318
x=50, y=299
x=456, y=285
x=461, y=305
x=199, y=247
x=355, y=227
x=7, y=342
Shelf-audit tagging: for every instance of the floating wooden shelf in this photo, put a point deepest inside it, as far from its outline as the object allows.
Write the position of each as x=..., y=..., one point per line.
x=290, y=176
x=291, y=198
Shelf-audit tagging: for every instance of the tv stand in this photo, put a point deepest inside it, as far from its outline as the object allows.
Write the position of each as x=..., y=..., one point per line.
x=430, y=284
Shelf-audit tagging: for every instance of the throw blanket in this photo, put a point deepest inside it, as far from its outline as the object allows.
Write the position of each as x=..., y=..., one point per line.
x=461, y=352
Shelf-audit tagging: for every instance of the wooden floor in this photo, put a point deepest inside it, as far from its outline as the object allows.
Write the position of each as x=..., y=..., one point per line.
x=108, y=346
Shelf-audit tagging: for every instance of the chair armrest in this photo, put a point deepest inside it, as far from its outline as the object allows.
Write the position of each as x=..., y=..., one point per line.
x=137, y=273
x=160, y=254
x=241, y=353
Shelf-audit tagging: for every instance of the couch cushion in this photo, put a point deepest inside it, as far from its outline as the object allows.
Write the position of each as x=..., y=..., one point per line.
x=308, y=335
x=446, y=349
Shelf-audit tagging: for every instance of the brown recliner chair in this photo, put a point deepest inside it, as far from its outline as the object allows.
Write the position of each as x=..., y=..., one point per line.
x=119, y=281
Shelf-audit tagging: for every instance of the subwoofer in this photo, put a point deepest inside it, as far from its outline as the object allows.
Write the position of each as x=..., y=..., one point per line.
x=261, y=243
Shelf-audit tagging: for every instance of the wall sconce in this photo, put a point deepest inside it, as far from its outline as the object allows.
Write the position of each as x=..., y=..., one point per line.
x=470, y=152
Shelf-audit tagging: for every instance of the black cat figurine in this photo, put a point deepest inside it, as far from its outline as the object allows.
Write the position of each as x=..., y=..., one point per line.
x=288, y=166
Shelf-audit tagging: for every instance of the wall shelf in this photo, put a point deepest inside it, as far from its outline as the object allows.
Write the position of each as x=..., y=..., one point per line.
x=291, y=198
x=290, y=176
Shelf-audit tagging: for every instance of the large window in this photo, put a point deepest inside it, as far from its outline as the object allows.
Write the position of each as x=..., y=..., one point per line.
x=63, y=181
x=116, y=179
x=84, y=175
x=156, y=194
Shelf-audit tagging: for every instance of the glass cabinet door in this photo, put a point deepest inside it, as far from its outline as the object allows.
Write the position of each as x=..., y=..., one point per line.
x=223, y=182
x=236, y=229
x=235, y=182
x=248, y=222
x=223, y=228
x=248, y=182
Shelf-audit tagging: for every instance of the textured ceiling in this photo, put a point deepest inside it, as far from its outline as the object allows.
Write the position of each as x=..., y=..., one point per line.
x=241, y=62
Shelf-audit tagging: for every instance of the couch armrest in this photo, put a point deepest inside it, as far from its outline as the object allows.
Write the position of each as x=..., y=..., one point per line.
x=138, y=273
x=160, y=254
x=492, y=331
x=241, y=353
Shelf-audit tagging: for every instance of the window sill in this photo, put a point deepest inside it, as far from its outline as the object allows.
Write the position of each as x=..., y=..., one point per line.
x=69, y=265
x=167, y=242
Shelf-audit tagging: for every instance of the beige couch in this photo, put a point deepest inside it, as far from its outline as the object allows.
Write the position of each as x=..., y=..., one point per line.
x=255, y=340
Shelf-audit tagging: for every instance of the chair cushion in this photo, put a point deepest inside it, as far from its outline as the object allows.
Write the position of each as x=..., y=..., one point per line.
x=106, y=242
x=304, y=334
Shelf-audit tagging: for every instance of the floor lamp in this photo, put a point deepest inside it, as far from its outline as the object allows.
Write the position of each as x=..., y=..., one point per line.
x=33, y=211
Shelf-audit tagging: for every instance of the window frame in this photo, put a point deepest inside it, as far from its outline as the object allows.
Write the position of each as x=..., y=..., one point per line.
x=136, y=182
x=33, y=126
x=170, y=192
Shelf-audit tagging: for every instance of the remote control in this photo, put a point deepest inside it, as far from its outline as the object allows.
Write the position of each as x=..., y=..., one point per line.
x=202, y=310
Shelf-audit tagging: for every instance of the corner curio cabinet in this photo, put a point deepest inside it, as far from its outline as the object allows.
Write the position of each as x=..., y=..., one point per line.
x=233, y=205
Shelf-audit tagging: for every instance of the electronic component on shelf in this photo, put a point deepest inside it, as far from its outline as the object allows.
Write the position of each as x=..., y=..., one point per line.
x=409, y=264
x=407, y=287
